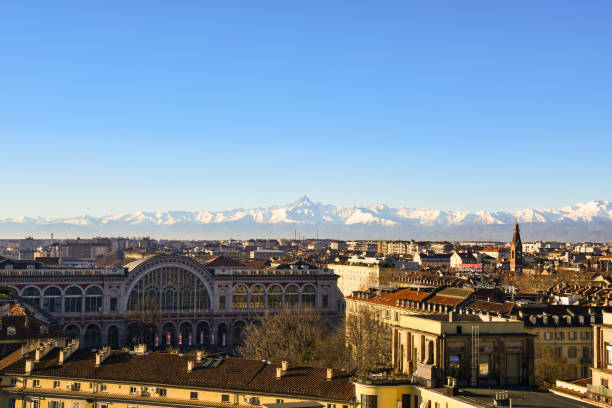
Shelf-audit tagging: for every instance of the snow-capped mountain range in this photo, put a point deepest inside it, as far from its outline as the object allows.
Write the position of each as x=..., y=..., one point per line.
x=590, y=221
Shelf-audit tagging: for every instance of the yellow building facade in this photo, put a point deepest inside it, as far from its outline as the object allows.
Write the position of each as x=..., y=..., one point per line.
x=76, y=378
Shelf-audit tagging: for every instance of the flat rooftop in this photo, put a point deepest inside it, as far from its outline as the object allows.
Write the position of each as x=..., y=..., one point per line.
x=522, y=397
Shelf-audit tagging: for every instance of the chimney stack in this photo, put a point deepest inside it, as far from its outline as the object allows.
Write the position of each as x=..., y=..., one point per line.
x=189, y=366
x=102, y=355
x=140, y=349
x=43, y=350
x=67, y=351
x=330, y=374
x=279, y=372
x=199, y=355
x=285, y=365
x=29, y=366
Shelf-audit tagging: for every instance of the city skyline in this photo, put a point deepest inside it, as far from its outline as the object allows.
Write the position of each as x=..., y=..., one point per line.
x=119, y=108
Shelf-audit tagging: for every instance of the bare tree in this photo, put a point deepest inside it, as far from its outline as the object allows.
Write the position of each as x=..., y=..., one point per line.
x=552, y=368
x=368, y=341
x=146, y=314
x=287, y=335
x=361, y=344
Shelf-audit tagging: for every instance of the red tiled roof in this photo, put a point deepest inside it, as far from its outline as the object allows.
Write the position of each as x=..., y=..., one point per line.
x=221, y=261
x=445, y=300
x=491, y=307
x=391, y=298
x=10, y=359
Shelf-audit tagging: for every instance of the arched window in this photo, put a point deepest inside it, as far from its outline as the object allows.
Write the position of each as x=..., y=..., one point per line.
x=258, y=297
x=168, y=335
x=186, y=300
x=134, y=334
x=203, y=333
x=73, y=331
x=31, y=295
x=113, y=337
x=92, y=336
x=52, y=300
x=275, y=297
x=93, y=299
x=222, y=335
x=237, y=332
x=239, y=298
x=309, y=297
x=73, y=300
x=185, y=334
x=172, y=288
x=292, y=297
x=169, y=300
x=325, y=298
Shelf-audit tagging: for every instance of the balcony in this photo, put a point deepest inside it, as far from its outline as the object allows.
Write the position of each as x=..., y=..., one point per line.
x=383, y=378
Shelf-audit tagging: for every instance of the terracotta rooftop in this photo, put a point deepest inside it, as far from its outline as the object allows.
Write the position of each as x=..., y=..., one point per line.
x=10, y=358
x=223, y=261
x=391, y=298
x=492, y=307
x=445, y=300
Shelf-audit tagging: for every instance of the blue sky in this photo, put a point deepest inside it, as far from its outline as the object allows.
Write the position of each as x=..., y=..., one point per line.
x=112, y=107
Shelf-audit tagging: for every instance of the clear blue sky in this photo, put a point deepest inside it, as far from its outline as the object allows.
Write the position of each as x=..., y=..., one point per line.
x=117, y=106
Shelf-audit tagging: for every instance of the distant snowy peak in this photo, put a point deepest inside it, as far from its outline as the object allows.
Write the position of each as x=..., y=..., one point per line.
x=304, y=214
x=308, y=212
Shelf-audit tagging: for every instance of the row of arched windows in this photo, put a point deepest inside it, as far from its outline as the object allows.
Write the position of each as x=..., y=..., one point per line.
x=74, y=299
x=275, y=297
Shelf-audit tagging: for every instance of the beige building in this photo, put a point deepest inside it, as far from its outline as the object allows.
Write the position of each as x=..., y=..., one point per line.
x=474, y=349
x=563, y=341
x=395, y=247
x=355, y=277
x=601, y=384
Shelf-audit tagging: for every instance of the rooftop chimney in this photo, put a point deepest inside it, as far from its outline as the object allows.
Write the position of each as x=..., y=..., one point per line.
x=279, y=372
x=199, y=355
x=102, y=355
x=189, y=366
x=330, y=374
x=29, y=366
x=42, y=351
x=67, y=351
x=285, y=365
x=140, y=349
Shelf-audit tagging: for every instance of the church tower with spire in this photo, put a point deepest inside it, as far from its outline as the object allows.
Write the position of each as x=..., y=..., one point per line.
x=516, y=250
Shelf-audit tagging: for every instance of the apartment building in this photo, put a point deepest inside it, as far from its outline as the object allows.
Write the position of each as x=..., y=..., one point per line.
x=73, y=377
x=353, y=277
x=563, y=341
x=600, y=388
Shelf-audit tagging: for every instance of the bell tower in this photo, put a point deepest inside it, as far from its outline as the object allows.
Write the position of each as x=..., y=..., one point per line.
x=516, y=250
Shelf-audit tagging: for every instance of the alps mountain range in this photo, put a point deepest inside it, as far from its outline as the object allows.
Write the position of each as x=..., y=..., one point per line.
x=590, y=221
